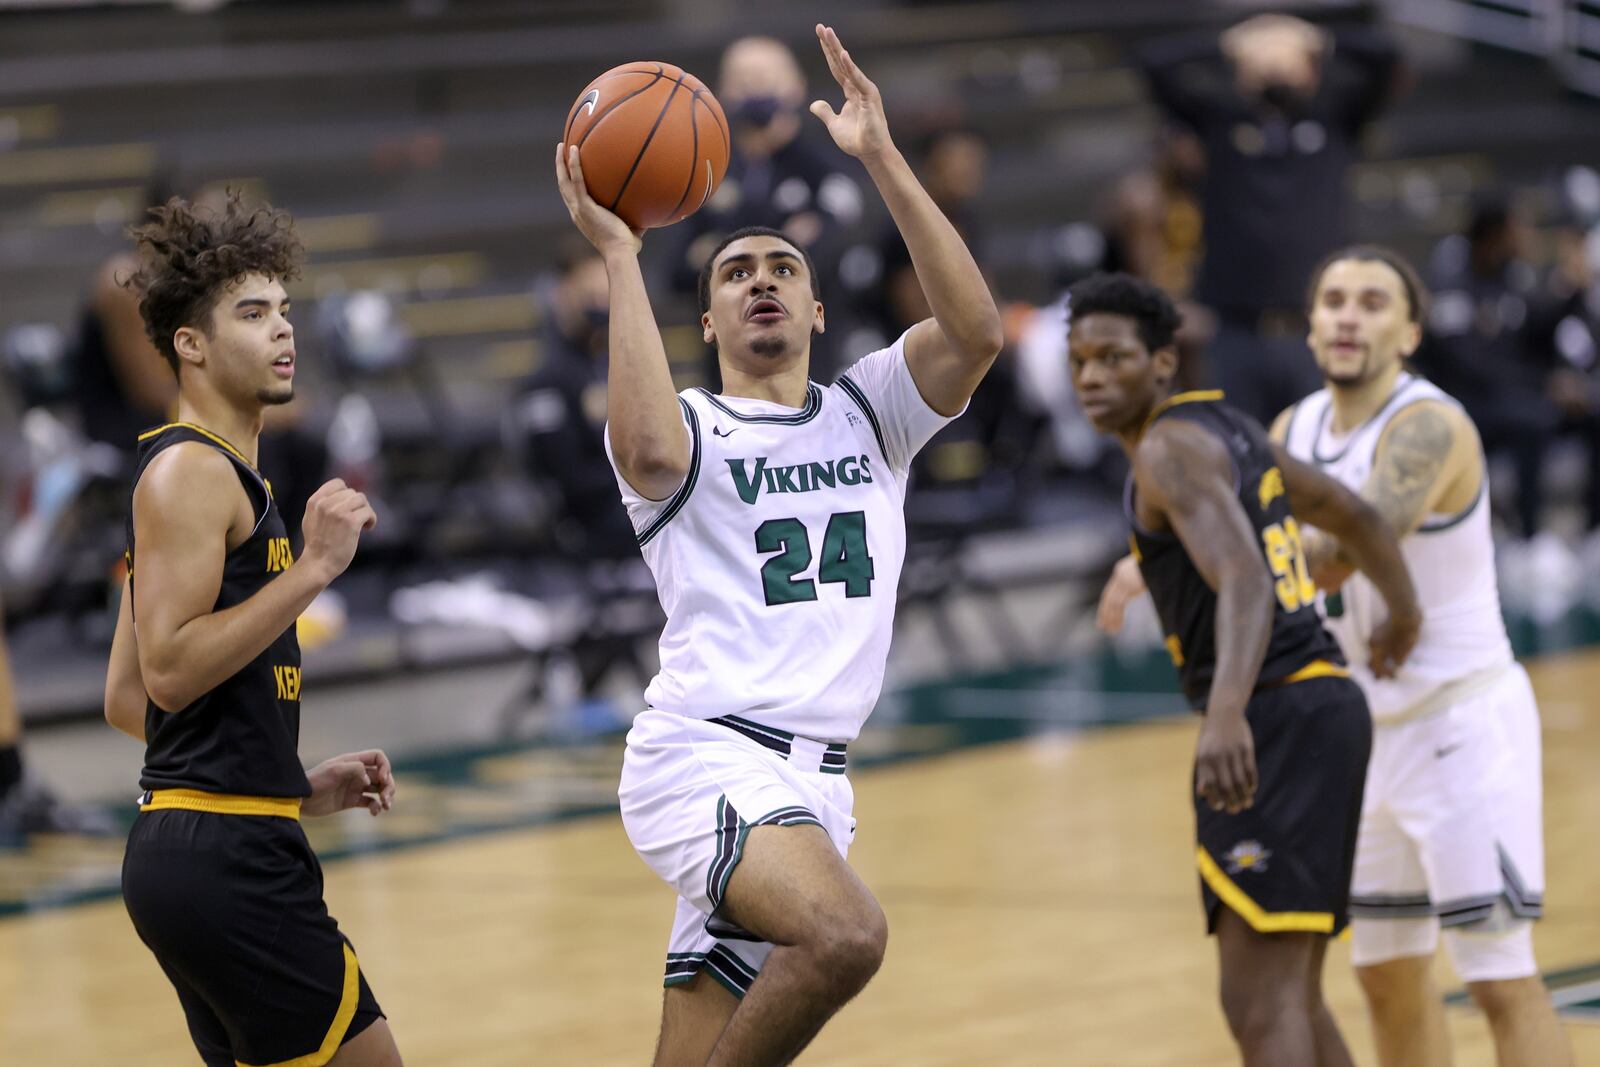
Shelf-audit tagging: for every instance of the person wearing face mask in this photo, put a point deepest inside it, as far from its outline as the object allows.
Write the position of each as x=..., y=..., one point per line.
x=1279, y=105
x=562, y=411
x=776, y=176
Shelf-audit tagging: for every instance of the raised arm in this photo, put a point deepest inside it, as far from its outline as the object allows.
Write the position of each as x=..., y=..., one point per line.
x=1185, y=475
x=1167, y=65
x=1367, y=539
x=948, y=354
x=644, y=421
x=185, y=506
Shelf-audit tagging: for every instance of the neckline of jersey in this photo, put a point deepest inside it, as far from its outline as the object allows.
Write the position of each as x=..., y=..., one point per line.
x=790, y=416
x=1404, y=382
x=1193, y=396
x=218, y=438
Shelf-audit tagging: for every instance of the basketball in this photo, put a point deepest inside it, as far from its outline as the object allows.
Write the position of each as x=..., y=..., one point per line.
x=652, y=140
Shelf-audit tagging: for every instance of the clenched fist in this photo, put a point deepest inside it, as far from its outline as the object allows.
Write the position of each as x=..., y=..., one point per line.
x=335, y=517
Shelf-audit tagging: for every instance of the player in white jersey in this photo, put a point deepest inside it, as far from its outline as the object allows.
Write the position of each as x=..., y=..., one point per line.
x=772, y=518
x=1451, y=830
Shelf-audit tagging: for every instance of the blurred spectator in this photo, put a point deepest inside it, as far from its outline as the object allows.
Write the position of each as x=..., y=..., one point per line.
x=778, y=175
x=1152, y=220
x=966, y=476
x=952, y=163
x=1279, y=105
x=123, y=385
x=27, y=805
x=1479, y=345
x=1150, y=228
x=562, y=412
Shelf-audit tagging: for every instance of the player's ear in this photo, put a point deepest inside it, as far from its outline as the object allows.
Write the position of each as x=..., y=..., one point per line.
x=1166, y=362
x=818, y=323
x=707, y=334
x=1408, y=347
x=186, y=342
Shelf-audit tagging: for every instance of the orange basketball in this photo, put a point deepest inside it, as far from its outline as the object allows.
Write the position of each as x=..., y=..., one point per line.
x=652, y=140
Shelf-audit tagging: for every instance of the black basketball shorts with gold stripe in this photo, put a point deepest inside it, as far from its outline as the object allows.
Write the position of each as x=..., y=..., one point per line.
x=1284, y=864
x=231, y=905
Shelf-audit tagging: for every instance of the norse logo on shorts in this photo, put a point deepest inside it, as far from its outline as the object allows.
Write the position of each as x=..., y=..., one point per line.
x=1247, y=856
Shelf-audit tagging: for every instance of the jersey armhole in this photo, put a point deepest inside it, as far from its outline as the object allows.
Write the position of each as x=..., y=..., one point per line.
x=677, y=500
x=859, y=396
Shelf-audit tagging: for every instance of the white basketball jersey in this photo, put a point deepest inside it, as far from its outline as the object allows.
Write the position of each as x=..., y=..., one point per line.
x=1451, y=559
x=778, y=559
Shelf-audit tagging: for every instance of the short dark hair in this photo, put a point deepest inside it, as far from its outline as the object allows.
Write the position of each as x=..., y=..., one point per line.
x=1153, y=311
x=754, y=231
x=1416, y=291
x=189, y=255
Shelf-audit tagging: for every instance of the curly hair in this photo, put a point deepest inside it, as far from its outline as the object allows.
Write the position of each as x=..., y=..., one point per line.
x=1151, y=309
x=188, y=256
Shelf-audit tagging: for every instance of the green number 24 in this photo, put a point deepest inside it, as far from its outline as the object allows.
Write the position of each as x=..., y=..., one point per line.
x=844, y=558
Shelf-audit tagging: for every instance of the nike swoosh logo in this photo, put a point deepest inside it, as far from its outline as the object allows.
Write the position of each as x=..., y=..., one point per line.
x=717, y=430
x=1441, y=753
x=590, y=99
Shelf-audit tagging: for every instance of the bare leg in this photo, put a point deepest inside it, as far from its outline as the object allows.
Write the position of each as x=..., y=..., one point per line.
x=792, y=888
x=372, y=1047
x=1407, y=1012
x=1265, y=992
x=693, y=1016
x=1527, y=1032
x=1331, y=1049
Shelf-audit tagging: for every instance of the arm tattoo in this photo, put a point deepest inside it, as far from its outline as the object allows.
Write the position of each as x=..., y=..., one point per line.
x=1411, y=463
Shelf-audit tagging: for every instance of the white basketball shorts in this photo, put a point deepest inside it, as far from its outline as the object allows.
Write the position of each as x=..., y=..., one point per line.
x=1452, y=836
x=691, y=790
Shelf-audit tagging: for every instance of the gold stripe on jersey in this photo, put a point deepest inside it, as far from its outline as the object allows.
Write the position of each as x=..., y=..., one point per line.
x=209, y=436
x=1265, y=922
x=349, y=998
x=221, y=803
x=1317, y=668
x=1191, y=397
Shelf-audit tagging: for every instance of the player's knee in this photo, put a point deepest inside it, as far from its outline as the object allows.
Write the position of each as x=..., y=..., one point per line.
x=852, y=949
x=1255, y=1008
x=1506, y=998
x=1396, y=986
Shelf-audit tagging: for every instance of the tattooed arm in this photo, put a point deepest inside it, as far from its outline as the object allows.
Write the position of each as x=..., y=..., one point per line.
x=1184, y=479
x=1426, y=456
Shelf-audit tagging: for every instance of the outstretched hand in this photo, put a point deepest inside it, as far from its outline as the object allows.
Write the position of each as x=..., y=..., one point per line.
x=604, y=229
x=860, y=128
x=353, y=780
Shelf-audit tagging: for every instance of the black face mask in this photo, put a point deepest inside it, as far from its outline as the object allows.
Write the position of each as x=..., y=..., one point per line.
x=1284, y=97
x=757, y=112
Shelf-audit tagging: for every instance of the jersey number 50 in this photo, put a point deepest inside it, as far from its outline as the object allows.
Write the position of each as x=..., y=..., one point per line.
x=1286, y=555
x=844, y=558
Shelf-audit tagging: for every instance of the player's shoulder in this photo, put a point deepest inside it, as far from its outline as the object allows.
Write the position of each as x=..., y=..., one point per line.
x=189, y=474
x=1286, y=419
x=875, y=364
x=1432, y=419
x=1173, y=452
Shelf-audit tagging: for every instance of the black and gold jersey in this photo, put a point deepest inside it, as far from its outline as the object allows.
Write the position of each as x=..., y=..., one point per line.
x=1187, y=606
x=241, y=737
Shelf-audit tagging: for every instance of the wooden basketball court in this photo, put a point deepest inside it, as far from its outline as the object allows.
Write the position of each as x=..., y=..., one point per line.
x=1040, y=894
